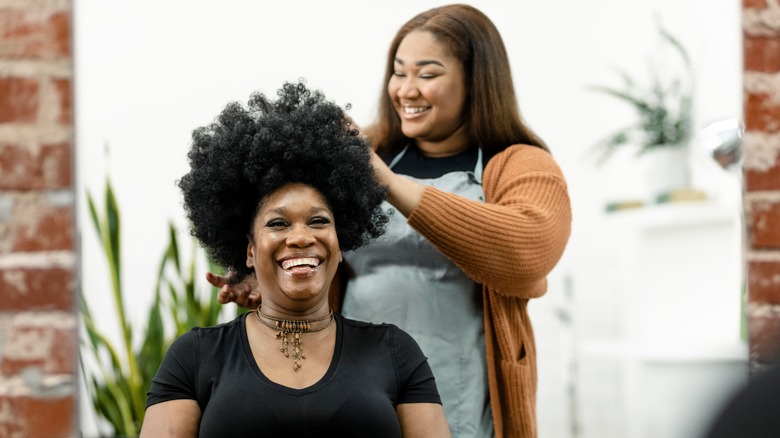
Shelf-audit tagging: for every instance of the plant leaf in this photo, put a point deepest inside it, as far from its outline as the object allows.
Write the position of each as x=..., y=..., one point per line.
x=637, y=102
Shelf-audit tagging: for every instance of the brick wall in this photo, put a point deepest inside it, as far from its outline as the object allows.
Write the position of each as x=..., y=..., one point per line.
x=761, y=145
x=38, y=248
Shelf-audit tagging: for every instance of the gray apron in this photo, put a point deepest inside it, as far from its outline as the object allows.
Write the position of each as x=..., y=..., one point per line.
x=403, y=280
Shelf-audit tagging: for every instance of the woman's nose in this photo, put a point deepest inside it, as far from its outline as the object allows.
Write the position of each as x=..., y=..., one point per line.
x=300, y=236
x=408, y=89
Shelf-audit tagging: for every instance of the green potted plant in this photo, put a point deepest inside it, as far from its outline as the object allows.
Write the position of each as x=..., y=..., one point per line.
x=664, y=110
x=122, y=372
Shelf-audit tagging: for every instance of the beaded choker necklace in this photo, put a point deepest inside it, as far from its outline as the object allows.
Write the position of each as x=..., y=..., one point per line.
x=296, y=328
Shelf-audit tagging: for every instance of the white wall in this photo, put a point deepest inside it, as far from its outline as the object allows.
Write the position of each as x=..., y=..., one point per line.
x=149, y=72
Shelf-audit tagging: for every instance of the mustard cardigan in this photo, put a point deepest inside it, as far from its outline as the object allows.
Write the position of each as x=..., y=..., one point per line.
x=508, y=245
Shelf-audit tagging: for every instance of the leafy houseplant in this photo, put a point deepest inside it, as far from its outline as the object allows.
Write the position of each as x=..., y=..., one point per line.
x=664, y=108
x=124, y=372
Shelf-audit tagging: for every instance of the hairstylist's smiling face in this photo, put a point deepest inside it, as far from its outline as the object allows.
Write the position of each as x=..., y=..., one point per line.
x=294, y=248
x=429, y=94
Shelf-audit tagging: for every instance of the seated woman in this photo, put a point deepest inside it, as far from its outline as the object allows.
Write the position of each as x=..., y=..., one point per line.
x=279, y=189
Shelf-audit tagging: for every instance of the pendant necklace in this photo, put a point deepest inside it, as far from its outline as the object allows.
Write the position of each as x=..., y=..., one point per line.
x=294, y=328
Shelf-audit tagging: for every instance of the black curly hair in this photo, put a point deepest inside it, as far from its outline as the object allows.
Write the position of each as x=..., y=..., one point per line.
x=249, y=152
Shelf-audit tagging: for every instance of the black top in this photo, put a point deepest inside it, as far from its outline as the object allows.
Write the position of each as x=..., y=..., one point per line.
x=374, y=368
x=417, y=165
x=752, y=410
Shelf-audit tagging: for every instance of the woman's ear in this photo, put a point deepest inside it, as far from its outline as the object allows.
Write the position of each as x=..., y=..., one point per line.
x=250, y=255
x=341, y=257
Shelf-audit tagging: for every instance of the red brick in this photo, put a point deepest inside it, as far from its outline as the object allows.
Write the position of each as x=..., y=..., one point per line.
x=34, y=34
x=762, y=54
x=56, y=165
x=37, y=417
x=36, y=289
x=764, y=222
x=59, y=24
x=758, y=4
x=764, y=337
x=50, y=349
x=15, y=163
x=63, y=87
x=41, y=227
x=762, y=112
x=19, y=99
x=764, y=282
x=757, y=180
x=22, y=170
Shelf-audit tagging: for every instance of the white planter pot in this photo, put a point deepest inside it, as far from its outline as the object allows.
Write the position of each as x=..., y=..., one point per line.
x=666, y=169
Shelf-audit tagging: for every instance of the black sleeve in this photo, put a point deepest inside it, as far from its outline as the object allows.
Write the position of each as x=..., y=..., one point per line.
x=175, y=380
x=416, y=381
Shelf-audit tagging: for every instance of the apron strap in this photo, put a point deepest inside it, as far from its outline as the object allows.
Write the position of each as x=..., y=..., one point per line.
x=398, y=157
x=478, y=167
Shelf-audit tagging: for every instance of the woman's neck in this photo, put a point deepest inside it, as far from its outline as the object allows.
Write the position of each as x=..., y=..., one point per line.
x=318, y=311
x=454, y=144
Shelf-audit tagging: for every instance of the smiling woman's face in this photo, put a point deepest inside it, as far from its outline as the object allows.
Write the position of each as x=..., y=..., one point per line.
x=429, y=94
x=294, y=248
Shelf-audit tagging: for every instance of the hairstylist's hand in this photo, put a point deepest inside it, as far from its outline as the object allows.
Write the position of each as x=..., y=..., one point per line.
x=383, y=173
x=402, y=192
x=243, y=293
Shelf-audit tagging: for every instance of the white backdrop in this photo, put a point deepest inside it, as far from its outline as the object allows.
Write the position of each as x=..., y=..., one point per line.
x=148, y=72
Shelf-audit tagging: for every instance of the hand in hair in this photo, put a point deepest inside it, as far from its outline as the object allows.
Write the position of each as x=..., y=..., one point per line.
x=243, y=293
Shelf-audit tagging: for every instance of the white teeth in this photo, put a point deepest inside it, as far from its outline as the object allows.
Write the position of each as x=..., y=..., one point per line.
x=291, y=263
x=414, y=109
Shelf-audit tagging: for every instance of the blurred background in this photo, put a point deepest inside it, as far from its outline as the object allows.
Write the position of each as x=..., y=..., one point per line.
x=641, y=333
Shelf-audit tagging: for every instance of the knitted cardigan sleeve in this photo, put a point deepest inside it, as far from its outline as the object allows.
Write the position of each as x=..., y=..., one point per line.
x=511, y=242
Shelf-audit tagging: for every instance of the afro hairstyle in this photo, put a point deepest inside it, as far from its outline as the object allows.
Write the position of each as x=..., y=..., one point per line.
x=249, y=152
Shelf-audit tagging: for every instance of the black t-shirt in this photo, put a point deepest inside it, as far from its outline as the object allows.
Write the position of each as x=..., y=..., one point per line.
x=417, y=165
x=374, y=368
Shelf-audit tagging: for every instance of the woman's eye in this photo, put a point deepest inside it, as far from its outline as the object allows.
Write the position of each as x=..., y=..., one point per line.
x=320, y=221
x=276, y=223
x=430, y=73
x=399, y=74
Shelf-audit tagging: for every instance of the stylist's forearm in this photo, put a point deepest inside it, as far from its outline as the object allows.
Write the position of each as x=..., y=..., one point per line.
x=404, y=193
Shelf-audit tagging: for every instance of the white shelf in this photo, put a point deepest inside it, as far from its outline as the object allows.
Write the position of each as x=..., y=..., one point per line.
x=667, y=352
x=673, y=215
